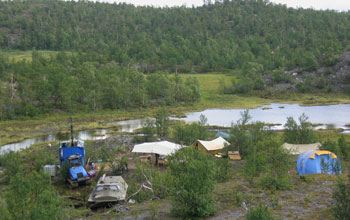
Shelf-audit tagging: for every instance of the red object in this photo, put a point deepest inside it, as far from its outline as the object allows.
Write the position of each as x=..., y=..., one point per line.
x=92, y=173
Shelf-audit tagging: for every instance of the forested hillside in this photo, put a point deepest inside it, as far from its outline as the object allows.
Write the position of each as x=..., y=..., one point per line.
x=74, y=83
x=110, y=56
x=222, y=35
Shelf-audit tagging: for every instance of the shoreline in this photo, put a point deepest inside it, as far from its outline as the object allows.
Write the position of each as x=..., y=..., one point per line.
x=14, y=131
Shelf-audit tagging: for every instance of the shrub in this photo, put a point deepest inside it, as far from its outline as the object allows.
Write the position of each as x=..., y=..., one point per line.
x=42, y=159
x=255, y=164
x=275, y=183
x=160, y=183
x=12, y=162
x=277, y=177
x=151, y=182
x=331, y=146
x=63, y=173
x=38, y=199
x=344, y=147
x=299, y=134
x=341, y=211
x=148, y=130
x=192, y=183
x=162, y=122
x=240, y=139
x=188, y=134
x=222, y=170
x=142, y=196
x=259, y=213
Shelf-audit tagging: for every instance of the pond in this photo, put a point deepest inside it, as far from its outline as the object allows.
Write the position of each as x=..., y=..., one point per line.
x=335, y=116
x=129, y=125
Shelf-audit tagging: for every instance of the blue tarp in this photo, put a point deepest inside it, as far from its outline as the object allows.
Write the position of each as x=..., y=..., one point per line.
x=223, y=135
x=64, y=152
x=310, y=162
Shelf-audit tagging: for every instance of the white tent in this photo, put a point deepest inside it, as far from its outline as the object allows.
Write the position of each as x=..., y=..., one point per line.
x=296, y=149
x=162, y=148
x=213, y=145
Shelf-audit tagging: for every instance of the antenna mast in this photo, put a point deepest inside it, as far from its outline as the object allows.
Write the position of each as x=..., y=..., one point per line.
x=71, y=130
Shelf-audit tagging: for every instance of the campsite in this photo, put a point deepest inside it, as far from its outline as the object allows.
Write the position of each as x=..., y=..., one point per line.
x=226, y=109
x=239, y=180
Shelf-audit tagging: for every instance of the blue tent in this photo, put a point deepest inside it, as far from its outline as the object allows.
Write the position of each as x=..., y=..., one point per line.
x=223, y=135
x=312, y=162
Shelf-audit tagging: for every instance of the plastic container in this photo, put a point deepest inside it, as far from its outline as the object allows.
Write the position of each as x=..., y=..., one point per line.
x=50, y=169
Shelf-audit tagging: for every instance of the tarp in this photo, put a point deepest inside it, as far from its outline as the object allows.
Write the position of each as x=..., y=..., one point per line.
x=296, y=149
x=65, y=152
x=223, y=135
x=216, y=144
x=162, y=148
x=313, y=162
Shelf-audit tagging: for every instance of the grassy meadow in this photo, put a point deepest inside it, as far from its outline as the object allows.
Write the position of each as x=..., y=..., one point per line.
x=26, y=56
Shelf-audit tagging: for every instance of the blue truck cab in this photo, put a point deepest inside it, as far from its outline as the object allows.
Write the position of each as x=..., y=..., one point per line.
x=74, y=155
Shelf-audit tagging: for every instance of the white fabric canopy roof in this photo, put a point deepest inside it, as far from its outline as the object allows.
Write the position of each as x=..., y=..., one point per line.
x=216, y=144
x=296, y=149
x=162, y=148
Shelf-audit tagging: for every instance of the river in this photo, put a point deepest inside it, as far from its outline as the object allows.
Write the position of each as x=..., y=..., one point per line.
x=335, y=116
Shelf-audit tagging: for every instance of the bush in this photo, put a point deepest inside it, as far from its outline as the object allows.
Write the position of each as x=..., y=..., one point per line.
x=299, y=134
x=12, y=162
x=344, y=148
x=275, y=183
x=259, y=213
x=33, y=197
x=63, y=173
x=331, y=146
x=41, y=159
x=269, y=158
x=240, y=138
x=160, y=183
x=188, y=134
x=156, y=183
x=341, y=211
x=277, y=177
x=142, y=196
x=222, y=170
x=255, y=164
x=192, y=183
x=162, y=122
x=148, y=130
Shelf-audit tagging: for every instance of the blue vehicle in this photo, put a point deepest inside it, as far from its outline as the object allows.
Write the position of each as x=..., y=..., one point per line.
x=74, y=155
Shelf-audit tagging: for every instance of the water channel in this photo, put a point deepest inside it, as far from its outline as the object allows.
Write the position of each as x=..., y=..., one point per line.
x=81, y=135
x=336, y=116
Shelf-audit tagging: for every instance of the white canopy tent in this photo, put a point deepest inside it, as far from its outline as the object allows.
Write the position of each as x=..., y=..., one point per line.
x=162, y=148
x=296, y=149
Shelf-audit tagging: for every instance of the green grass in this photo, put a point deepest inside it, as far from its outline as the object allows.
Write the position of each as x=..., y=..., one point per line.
x=213, y=98
x=17, y=55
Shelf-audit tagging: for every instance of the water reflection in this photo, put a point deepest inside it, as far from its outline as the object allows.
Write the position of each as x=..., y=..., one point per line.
x=330, y=115
x=130, y=125
x=97, y=134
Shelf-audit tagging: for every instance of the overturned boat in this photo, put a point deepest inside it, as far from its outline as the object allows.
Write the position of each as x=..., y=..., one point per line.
x=109, y=189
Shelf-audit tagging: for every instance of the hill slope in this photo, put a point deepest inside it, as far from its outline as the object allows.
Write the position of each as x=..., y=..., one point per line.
x=221, y=35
